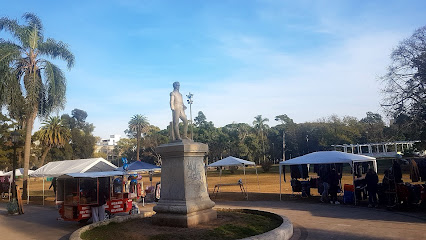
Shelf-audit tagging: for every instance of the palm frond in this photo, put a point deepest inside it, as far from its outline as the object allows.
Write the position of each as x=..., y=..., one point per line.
x=54, y=49
x=9, y=52
x=17, y=31
x=55, y=84
x=33, y=20
x=33, y=38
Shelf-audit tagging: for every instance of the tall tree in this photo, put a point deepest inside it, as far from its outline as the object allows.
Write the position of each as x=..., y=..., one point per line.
x=200, y=119
x=405, y=81
x=30, y=82
x=137, y=126
x=261, y=126
x=53, y=133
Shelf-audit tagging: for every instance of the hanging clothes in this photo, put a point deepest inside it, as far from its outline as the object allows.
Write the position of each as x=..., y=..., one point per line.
x=414, y=171
x=421, y=163
x=299, y=171
x=295, y=172
x=304, y=173
x=397, y=172
x=283, y=171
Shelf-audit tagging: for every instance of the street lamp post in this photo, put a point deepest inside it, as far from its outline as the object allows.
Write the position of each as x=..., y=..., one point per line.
x=190, y=101
x=15, y=139
x=307, y=143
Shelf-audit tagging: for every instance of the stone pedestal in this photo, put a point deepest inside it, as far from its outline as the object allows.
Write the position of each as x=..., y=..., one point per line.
x=184, y=200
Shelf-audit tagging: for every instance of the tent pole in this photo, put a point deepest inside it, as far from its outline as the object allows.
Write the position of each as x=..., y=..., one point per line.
x=353, y=181
x=28, y=190
x=10, y=187
x=375, y=165
x=257, y=175
x=43, y=190
x=245, y=180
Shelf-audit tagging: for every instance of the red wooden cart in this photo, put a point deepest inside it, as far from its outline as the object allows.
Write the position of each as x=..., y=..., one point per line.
x=78, y=192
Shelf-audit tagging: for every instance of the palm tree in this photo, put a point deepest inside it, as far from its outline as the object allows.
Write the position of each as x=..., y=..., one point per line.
x=53, y=133
x=260, y=126
x=30, y=85
x=138, y=125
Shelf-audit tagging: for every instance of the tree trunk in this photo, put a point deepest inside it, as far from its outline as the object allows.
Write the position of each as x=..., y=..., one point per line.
x=27, y=151
x=138, y=143
x=43, y=156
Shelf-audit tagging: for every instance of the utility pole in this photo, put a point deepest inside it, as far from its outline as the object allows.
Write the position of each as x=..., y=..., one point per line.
x=283, y=146
x=190, y=101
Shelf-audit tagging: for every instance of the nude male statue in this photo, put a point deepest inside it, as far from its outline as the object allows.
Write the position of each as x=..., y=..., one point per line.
x=178, y=111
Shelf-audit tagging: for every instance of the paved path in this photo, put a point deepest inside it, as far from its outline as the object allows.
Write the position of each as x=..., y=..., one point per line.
x=311, y=221
x=326, y=221
x=38, y=222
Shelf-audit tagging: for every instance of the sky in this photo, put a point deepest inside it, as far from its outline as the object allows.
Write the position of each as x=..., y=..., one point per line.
x=240, y=59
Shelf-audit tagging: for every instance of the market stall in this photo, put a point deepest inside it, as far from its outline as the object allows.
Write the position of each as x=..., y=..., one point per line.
x=327, y=157
x=77, y=193
x=58, y=168
x=139, y=167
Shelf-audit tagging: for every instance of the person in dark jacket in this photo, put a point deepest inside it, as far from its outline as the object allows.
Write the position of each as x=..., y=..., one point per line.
x=372, y=179
x=323, y=174
x=333, y=180
x=53, y=184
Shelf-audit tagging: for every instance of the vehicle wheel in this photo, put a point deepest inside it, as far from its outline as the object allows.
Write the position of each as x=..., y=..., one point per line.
x=108, y=215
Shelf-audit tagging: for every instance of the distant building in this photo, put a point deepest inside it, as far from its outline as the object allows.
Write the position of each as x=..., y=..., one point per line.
x=107, y=146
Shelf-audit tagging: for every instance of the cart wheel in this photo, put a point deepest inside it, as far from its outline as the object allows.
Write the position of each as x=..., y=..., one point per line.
x=108, y=215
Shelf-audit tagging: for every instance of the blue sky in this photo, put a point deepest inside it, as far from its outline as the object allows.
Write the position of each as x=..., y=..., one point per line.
x=306, y=59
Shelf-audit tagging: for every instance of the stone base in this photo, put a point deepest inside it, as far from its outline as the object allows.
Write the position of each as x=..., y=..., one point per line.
x=181, y=220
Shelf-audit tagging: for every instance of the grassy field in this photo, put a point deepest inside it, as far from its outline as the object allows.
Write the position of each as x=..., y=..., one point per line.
x=263, y=183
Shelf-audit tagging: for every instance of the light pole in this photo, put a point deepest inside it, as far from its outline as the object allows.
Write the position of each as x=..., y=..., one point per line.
x=307, y=143
x=15, y=139
x=189, y=96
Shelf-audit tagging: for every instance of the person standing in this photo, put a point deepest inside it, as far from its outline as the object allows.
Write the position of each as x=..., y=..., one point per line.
x=333, y=180
x=372, y=179
x=324, y=180
x=98, y=211
x=53, y=184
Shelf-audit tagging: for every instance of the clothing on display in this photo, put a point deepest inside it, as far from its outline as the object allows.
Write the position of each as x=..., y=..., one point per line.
x=299, y=171
x=414, y=171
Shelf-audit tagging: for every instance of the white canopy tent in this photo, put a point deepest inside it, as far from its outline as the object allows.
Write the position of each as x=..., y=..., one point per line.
x=92, y=174
x=58, y=168
x=328, y=157
x=18, y=172
x=233, y=161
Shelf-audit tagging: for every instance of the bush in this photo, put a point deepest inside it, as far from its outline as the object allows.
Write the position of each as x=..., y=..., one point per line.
x=266, y=166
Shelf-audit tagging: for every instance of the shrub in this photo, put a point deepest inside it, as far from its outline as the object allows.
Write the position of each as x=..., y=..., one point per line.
x=266, y=166
x=12, y=206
